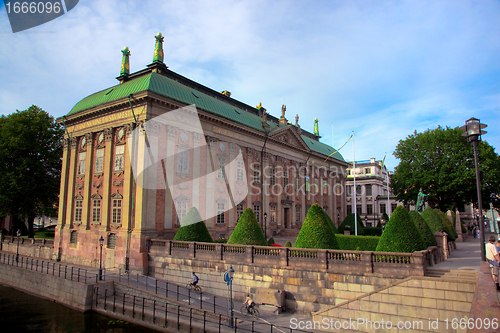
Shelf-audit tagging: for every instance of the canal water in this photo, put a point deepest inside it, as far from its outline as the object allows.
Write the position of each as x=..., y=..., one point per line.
x=21, y=312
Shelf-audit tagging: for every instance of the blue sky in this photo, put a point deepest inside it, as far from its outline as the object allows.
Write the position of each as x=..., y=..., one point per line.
x=382, y=69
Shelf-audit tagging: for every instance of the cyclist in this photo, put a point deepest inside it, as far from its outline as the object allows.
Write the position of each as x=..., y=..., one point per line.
x=195, y=280
x=249, y=303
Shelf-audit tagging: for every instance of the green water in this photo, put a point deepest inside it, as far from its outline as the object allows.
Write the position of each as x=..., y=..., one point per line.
x=21, y=312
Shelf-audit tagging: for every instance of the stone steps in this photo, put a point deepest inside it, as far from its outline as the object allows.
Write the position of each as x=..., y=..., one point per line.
x=461, y=275
x=418, y=301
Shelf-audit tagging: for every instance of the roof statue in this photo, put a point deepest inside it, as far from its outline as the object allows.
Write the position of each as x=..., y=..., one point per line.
x=283, y=110
x=421, y=201
x=297, y=120
x=226, y=93
x=158, y=56
x=259, y=106
x=125, y=70
x=316, y=129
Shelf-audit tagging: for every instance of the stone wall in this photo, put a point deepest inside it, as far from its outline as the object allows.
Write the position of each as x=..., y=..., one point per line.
x=76, y=295
x=29, y=247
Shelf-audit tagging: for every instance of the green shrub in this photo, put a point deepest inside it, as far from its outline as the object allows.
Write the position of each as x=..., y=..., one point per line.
x=193, y=229
x=464, y=229
x=434, y=221
x=351, y=242
x=448, y=228
x=221, y=241
x=330, y=222
x=385, y=217
x=288, y=244
x=247, y=231
x=42, y=229
x=271, y=241
x=373, y=231
x=349, y=221
x=400, y=234
x=423, y=228
x=316, y=231
x=454, y=218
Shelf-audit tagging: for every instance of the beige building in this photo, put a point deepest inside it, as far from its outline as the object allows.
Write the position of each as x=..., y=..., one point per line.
x=129, y=177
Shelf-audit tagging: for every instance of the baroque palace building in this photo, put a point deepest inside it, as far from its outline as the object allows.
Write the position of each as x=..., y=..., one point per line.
x=129, y=178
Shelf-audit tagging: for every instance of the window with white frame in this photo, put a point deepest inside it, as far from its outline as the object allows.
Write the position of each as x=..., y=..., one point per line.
x=239, y=211
x=220, y=212
x=256, y=173
x=221, y=172
x=78, y=210
x=240, y=171
x=325, y=186
x=297, y=214
x=316, y=187
x=272, y=174
x=297, y=181
x=99, y=160
x=96, y=210
x=181, y=209
x=256, y=211
x=119, y=156
x=307, y=184
x=117, y=211
x=285, y=178
x=273, y=213
x=81, y=163
x=368, y=188
x=182, y=160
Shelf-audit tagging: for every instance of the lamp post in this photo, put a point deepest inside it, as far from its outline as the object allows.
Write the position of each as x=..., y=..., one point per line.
x=382, y=224
x=473, y=131
x=18, y=237
x=230, y=273
x=366, y=220
x=338, y=219
x=265, y=226
x=101, y=243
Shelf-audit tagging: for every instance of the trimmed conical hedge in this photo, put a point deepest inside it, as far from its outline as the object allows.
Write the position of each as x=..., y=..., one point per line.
x=193, y=229
x=247, y=231
x=330, y=222
x=400, y=234
x=435, y=222
x=316, y=231
x=423, y=228
x=448, y=225
x=349, y=221
x=288, y=244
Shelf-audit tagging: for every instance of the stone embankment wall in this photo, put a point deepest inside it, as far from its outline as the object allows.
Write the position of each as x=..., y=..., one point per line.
x=29, y=247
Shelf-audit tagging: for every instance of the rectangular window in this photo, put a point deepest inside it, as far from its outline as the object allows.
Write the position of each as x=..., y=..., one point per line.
x=359, y=209
x=119, y=153
x=358, y=190
x=285, y=178
x=111, y=241
x=297, y=181
x=307, y=184
x=221, y=172
x=99, y=160
x=348, y=189
x=382, y=208
x=256, y=173
x=81, y=163
x=272, y=180
x=369, y=209
x=181, y=209
x=73, y=239
x=220, y=213
x=273, y=214
x=256, y=211
x=394, y=206
x=78, y=210
x=182, y=160
x=117, y=211
x=96, y=210
x=297, y=214
x=348, y=172
x=368, y=171
x=239, y=211
x=316, y=185
x=325, y=186
x=349, y=209
x=239, y=171
x=368, y=189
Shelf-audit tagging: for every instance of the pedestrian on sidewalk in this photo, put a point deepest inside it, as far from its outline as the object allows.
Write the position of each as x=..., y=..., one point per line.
x=493, y=259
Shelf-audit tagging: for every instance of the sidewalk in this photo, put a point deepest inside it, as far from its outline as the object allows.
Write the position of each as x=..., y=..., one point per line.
x=466, y=257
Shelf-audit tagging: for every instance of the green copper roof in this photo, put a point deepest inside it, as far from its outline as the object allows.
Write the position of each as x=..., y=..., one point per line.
x=167, y=87
x=321, y=148
x=164, y=86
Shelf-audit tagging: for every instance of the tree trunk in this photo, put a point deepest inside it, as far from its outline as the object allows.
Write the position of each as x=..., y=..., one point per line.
x=31, y=219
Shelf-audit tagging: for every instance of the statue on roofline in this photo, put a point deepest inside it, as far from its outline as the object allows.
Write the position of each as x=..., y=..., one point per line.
x=283, y=109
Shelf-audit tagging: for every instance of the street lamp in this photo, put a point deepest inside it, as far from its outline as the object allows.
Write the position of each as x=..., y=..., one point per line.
x=382, y=224
x=366, y=220
x=265, y=226
x=338, y=219
x=101, y=243
x=18, y=237
x=230, y=273
x=473, y=131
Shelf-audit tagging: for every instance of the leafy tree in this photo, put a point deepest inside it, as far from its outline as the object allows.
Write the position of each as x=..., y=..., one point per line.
x=400, y=234
x=349, y=221
x=30, y=159
x=247, y=231
x=423, y=228
x=193, y=229
x=316, y=231
x=441, y=163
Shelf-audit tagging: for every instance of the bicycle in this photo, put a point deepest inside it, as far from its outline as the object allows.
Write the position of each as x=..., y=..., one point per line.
x=252, y=312
x=196, y=288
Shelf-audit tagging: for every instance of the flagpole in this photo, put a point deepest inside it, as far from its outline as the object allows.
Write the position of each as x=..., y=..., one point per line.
x=354, y=176
x=388, y=201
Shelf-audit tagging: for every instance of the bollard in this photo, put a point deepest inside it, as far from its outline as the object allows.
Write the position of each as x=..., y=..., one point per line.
x=166, y=314
x=177, y=292
x=123, y=306
x=133, y=307
x=105, y=295
x=114, y=300
x=154, y=310
x=143, y=308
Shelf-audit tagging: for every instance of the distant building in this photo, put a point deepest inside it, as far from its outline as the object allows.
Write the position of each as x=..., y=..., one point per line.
x=371, y=192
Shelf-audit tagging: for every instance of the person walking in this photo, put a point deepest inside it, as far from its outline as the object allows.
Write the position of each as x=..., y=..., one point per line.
x=493, y=259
